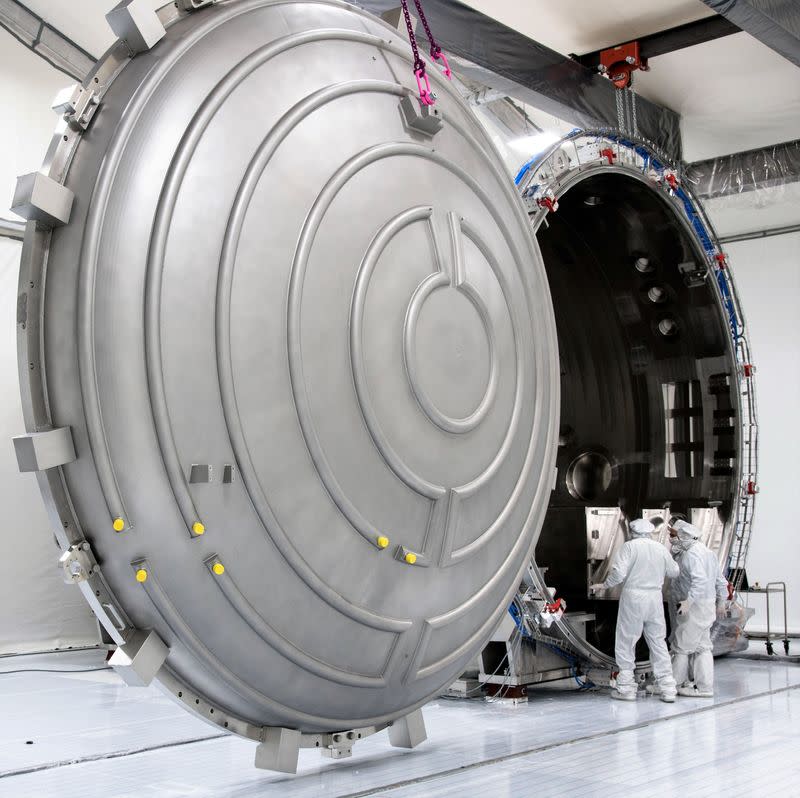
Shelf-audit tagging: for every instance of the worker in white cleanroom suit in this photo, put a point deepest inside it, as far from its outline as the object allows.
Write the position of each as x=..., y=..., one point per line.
x=700, y=591
x=641, y=566
x=672, y=604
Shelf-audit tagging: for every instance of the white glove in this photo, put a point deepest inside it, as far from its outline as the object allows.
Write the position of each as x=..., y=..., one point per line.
x=597, y=586
x=683, y=607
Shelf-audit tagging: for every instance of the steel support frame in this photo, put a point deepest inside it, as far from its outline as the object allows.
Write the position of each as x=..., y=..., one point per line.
x=10, y=228
x=45, y=40
x=754, y=234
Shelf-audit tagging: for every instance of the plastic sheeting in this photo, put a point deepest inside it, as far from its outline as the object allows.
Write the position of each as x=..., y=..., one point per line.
x=742, y=172
x=727, y=634
x=506, y=60
x=37, y=610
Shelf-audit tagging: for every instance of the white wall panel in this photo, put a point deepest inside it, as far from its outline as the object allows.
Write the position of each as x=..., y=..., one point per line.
x=27, y=88
x=37, y=610
x=767, y=272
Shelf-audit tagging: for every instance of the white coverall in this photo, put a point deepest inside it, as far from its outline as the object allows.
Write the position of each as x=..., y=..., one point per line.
x=642, y=565
x=701, y=585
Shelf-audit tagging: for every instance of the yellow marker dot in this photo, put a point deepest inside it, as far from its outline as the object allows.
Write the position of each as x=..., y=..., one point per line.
x=119, y=524
x=198, y=528
x=141, y=575
x=411, y=558
x=383, y=542
x=218, y=568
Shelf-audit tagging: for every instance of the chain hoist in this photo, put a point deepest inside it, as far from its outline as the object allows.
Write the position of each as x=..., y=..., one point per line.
x=426, y=96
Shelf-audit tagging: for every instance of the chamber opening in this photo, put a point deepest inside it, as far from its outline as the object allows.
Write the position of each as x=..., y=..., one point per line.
x=646, y=420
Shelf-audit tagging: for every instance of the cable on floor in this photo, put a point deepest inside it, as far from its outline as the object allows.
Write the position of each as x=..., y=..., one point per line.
x=56, y=670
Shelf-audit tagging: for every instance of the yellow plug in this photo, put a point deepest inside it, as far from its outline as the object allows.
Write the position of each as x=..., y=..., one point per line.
x=141, y=575
x=383, y=542
x=218, y=568
x=198, y=528
x=411, y=558
x=119, y=524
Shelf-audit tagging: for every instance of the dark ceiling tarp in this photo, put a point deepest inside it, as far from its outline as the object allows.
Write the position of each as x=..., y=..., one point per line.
x=775, y=23
x=509, y=61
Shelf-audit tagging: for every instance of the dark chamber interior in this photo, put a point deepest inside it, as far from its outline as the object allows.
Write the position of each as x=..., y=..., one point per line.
x=647, y=409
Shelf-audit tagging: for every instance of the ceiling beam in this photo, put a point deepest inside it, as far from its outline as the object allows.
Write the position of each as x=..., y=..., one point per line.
x=776, y=24
x=668, y=41
x=504, y=59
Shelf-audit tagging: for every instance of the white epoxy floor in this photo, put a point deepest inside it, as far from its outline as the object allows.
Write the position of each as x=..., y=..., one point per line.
x=85, y=734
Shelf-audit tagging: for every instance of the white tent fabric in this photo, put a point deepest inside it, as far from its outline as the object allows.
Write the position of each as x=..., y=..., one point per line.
x=38, y=612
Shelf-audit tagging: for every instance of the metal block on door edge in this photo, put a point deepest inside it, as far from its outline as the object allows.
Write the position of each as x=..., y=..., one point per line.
x=136, y=22
x=279, y=750
x=41, y=199
x=139, y=659
x=408, y=731
x=37, y=451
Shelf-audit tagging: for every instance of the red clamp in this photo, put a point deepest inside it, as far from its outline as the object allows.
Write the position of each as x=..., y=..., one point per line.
x=722, y=260
x=610, y=154
x=551, y=612
x=730, y=591
x=558, y=606
x=752, y=488
x=551, y=204
x=749, y=369
x=617, y=63
x=671, y=181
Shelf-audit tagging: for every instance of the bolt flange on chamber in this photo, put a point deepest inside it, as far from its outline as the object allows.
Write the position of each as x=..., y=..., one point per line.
x=289, y=369
x=657, y=411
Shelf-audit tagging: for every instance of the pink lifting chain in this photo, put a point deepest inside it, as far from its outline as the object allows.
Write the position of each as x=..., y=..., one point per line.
x=426, y=96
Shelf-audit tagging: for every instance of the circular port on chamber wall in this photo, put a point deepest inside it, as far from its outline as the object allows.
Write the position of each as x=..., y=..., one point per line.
x=643, y=265
x=668, y=327
x=589, y=476
x=657, y=294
